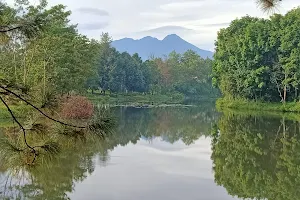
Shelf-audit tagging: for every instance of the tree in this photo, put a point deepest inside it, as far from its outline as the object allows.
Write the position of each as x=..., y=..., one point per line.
x=107, y=60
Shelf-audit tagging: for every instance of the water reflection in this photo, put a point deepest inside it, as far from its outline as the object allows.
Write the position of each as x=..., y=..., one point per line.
x=58, y=177
x=257, y=157
x=168, y=153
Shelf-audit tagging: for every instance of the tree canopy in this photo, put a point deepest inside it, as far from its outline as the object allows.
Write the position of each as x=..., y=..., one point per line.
x=43, y=52
x=258, y=58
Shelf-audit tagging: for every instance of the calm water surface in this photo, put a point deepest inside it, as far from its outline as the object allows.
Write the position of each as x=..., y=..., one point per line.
x=172, y=154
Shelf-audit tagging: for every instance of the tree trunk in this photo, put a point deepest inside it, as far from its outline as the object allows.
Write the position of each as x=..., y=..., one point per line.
x=25, y=71
x=44, y=84
x=284, y=127
x=15, y=64
x=284, y=94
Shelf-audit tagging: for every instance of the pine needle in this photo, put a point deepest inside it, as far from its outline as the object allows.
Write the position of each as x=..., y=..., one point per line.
x=51, y=147
x=268, y=6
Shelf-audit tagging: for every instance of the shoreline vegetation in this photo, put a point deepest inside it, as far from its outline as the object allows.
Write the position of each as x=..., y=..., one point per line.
x=130, y=99
x=138, y=99
x=251, y=105
x=260, y=113
x=147, y=100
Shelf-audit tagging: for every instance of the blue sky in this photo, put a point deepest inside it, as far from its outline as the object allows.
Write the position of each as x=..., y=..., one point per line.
x=196, y=21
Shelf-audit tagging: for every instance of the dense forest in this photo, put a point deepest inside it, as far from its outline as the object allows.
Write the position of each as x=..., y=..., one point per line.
x=51, y=58
x=258, y=59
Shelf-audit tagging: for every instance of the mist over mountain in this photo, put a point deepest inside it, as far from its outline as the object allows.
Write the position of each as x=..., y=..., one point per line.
x=150, y=46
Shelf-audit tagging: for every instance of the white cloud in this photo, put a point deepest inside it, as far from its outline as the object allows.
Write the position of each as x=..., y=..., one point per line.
x=130, y=18
x=179, y=6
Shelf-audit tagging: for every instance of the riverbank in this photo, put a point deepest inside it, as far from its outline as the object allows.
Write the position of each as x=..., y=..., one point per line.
x=136, y=99
x=240, y=104
x=131, y=99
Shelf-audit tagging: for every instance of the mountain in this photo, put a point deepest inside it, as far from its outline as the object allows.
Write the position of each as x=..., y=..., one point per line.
x=150, y=46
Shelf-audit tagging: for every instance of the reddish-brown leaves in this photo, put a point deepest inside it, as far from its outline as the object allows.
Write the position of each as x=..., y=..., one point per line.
x=76, y=107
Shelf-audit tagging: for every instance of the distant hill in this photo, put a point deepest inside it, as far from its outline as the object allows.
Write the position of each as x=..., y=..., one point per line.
x=149, y=46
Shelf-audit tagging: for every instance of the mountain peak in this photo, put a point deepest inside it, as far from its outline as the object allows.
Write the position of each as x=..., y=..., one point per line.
x=172, y=36
x=151, y=46
x=149, y=38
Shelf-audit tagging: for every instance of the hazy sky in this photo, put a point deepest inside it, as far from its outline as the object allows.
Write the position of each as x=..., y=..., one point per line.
x=195, y=21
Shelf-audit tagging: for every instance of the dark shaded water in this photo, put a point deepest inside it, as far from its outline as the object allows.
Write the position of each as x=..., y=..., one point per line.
x=171, y=153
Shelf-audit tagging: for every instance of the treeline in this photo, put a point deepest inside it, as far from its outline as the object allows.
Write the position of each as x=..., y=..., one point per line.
x=258, y=59
x=118, y=72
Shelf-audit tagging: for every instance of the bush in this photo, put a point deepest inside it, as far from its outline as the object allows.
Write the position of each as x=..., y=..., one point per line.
x=76, y=107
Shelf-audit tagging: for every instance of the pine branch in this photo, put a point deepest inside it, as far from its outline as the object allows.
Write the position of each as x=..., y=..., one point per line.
x=22, y=128
x=40, y=111
x=7, y=29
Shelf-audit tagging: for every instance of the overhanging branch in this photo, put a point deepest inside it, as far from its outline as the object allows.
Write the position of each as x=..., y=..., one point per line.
x=8, y=29
x=40, y=111
x=22, y=128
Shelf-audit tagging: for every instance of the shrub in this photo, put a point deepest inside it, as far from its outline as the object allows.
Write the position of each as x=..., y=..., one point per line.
x=76, y=107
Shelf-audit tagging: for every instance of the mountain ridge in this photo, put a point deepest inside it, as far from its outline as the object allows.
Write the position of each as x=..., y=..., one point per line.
x=150, y=46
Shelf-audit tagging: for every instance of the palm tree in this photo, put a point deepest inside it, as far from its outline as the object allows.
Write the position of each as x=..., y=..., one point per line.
x=268, y=5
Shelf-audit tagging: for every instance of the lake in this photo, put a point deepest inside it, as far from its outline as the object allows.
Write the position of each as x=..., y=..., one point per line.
x=170, y=153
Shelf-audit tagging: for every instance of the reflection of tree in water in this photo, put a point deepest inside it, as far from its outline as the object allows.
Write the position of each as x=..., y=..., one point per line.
x=54, y=177
x=257, y=158
x=172, y=124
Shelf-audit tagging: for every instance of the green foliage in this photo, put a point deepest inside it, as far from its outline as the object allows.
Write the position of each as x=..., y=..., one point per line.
x=244, y=104
x=257, y=59
x=19, y=111
x=56, y=60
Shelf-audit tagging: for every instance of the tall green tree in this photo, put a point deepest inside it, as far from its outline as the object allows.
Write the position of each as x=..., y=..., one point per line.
x=107, y=60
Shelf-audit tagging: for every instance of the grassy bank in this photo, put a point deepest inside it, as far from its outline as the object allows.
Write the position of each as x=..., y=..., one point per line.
x=18, y=110
x=241, y=104
x=260, y=113
x=136, y=99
